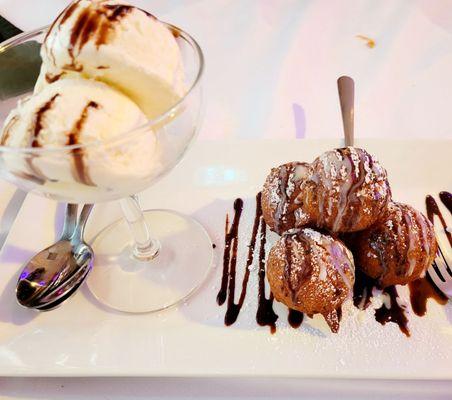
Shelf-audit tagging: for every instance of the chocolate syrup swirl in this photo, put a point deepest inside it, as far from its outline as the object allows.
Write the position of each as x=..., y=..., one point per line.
x=233, y=309
x=53, y=78
x=117, y=11
x=34, y=142
x=446, y=198
x=37, y=124
x=93, y=23
x=80, y=171
x=231, y=238
x=61, y=19
x=265, y=314
x=421, y=290
x=433, y=209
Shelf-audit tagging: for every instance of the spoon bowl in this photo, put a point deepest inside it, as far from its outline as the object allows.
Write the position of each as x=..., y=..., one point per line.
x=66, y=290
x=58, y=270
x=46, y=269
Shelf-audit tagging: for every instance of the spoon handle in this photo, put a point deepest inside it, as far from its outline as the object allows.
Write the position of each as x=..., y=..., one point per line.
x=70, y=221
x=80, y=229
x=346, y=88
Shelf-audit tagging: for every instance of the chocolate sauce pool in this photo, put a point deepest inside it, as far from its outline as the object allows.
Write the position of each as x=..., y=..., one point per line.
x=420, y=291
x=390, y=311
x=295, y=318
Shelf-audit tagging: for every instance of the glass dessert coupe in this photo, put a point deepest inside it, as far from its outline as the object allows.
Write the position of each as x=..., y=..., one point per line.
x=134, y=271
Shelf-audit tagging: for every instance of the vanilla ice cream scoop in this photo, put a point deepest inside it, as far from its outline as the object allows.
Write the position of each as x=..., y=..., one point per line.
x=117, y=144
x=120, y=45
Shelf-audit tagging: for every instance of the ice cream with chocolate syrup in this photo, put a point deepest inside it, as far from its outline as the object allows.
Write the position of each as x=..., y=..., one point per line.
x=74, y=112
x=108, y=69
x=121, y=45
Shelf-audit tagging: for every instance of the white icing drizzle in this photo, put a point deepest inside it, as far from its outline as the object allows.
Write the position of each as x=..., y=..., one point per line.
x=281, y=207
x=279, y=189
x=301, y=218
x=324, y=253
x=344, y=189
x=343, y=263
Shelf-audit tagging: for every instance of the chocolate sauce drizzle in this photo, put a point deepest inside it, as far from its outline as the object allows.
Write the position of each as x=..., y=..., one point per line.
x=363, y=293
x=233, y=308
x=53, y=78
x=231, y=238
x=433, y=209
x=295, y=318
x=362, y=289
x=80, y=171
x=61, y=19
x=38, y=120
x=265, y=315
x=421, y=290
x=34, y=142
x=395, y=313
x=446, y=198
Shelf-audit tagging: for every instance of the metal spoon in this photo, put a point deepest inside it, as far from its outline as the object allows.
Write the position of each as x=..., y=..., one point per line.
x=58, y=265
x=346, y=88
x=47, y=266
x=82, y=258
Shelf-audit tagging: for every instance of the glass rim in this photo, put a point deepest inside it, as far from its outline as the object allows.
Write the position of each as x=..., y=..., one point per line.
x=16, y=40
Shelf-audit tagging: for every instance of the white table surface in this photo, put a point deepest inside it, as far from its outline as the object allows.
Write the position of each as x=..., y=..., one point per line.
x=271, y=72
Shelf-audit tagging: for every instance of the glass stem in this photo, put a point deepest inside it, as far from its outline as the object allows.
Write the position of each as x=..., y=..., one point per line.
x=145, y=246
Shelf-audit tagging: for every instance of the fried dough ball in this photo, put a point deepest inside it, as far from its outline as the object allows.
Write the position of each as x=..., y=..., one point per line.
x=311, y=272
x=351, y=192
x=399, y=248
x=281, y=189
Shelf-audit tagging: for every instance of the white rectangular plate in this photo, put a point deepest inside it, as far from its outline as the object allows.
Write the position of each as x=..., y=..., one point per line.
x=82, y=338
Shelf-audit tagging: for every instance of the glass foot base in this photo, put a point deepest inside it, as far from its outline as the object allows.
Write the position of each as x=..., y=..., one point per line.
x=124, y=283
